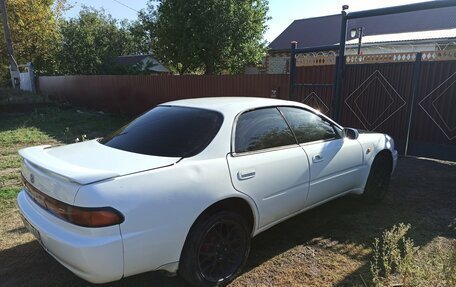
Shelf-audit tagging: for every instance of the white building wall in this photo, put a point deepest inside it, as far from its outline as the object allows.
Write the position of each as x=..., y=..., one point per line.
x=278, y=65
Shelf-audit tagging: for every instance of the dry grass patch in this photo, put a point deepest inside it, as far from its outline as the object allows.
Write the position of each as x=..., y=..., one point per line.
x=12, y=232
x=328, y=246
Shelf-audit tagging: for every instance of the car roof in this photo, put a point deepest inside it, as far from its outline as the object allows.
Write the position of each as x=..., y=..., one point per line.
x=232, y=104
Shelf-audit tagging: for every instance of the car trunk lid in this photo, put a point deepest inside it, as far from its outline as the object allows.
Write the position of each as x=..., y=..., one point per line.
x=60, y=171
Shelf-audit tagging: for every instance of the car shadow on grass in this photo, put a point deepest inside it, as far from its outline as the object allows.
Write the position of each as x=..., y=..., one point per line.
x=29, y=265
x=421, y=193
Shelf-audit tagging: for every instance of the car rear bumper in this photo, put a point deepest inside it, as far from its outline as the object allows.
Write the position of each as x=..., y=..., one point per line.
x=94, y=254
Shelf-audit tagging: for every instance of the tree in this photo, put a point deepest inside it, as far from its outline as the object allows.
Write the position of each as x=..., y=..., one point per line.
x=213, y=36
x=137, y=40
x=92, y=41
x=34, y=32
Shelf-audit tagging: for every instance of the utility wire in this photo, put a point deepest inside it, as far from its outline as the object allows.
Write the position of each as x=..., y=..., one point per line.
x=125, y=5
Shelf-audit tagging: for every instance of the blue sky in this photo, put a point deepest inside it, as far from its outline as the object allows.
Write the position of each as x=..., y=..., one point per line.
x=282, y=12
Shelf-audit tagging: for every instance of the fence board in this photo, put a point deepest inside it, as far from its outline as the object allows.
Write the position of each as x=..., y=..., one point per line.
x=317, y=97
x=136, y=94
x=376, y=97
x=433, y=130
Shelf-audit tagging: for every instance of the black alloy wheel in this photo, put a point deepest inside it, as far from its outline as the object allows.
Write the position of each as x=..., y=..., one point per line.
x=216, y=250
x=378, y=181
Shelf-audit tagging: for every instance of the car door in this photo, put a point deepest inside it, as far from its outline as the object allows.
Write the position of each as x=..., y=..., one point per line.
x=335, y=161
x=267, y=164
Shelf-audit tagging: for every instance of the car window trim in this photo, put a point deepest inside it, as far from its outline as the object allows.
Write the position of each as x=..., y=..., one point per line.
x=320, y=141
x=233, y=134
x=265, y=150
x=288, y=124
x=321, y=116
x=332, y=123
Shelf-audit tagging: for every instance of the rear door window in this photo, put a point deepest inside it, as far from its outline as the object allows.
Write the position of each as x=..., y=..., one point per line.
x=262, y=129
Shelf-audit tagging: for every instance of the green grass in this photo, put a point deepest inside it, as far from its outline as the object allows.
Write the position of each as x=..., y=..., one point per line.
x=7, y=197
x=9, y=161
x=50, y=125
x=16, y=96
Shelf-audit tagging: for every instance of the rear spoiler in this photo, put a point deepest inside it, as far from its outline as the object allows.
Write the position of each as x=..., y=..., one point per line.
x=40, y=159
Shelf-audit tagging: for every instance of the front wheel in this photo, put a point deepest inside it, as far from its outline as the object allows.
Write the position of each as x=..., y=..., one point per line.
x=216, y=250
x=378, y=180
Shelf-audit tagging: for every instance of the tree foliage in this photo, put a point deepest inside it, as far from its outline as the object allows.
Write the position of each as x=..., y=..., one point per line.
x=92, y=41
x=34, y=32
x=86, y=44
x=212, y=36
x=190, y=36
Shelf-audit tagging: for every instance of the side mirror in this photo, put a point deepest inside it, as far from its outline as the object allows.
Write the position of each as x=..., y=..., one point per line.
x=351, y=133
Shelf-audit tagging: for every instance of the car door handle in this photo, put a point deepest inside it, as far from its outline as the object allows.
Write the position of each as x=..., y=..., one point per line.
x=317, y=158
x=246, y=174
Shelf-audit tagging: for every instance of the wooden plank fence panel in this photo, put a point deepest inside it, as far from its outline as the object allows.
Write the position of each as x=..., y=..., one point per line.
x=136, y=94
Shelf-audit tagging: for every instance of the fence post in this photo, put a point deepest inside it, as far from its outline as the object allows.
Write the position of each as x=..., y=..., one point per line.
x=415, y=78
x=294, y=46
x=340, y=67
x=31, y=74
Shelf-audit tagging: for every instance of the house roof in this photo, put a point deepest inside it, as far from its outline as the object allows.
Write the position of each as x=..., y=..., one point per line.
x=309, y=32
x=322, y=31
x=131, y=59
x=445, y=34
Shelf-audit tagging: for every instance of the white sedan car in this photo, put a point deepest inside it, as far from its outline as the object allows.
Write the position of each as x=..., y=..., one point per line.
x=184, y=187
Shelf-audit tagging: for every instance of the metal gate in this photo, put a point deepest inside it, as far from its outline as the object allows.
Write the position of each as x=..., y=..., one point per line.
x=411, y=96
x=312, y=80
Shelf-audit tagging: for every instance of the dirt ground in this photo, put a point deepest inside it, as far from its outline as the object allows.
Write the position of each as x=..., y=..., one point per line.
x=327, y=246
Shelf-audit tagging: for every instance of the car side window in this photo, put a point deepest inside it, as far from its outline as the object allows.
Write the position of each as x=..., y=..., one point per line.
x=307, y=126
x=262, y=129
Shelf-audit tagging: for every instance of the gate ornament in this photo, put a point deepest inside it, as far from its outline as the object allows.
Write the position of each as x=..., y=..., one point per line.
x=449, y=55
x=380, y=58
x=309, y=60
x=434, y=105
x=315, y=102
x=370, y=116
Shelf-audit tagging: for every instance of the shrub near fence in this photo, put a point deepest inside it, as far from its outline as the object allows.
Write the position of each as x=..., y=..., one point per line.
x=136, y=94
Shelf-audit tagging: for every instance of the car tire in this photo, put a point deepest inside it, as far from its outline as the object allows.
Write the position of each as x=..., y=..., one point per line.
x=378, y=181
x=216, y=249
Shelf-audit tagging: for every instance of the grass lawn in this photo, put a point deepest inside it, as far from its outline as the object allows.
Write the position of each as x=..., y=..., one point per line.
x=330, y=245
x=16, y=96
x=45, y=126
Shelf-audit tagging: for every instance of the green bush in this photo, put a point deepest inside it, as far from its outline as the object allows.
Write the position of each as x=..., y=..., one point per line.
x=393, y=260
x=5, y=78
x=396, y=261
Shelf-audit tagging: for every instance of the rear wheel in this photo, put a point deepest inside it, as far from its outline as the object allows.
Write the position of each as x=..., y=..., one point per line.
x=216, y=250
x=378, y=180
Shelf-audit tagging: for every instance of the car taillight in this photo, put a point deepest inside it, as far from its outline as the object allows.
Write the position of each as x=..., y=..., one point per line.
x=82, y=216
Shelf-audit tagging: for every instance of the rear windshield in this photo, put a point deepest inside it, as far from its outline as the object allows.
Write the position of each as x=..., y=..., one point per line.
x=168, y=131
